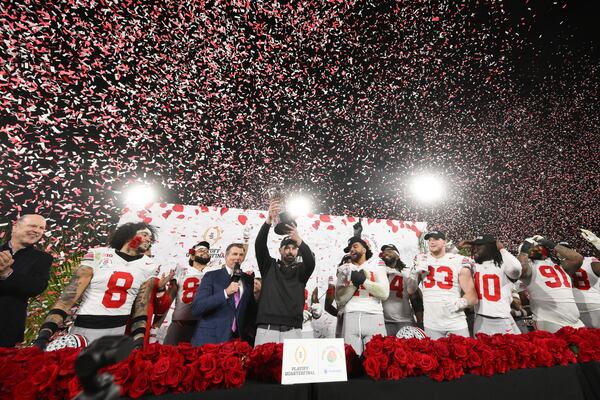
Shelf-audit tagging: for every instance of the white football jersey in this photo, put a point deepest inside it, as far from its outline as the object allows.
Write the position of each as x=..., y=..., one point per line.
x=441, y=286
x=397, y=306
x=363, y=301
x=115, y=283
x=551, y=294
x=188, y=281
x=494, y=290
x=585, y=286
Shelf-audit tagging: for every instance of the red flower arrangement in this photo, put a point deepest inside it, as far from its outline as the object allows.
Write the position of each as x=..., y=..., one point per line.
x=156, y=369
x=28, y=374
x=452, y=357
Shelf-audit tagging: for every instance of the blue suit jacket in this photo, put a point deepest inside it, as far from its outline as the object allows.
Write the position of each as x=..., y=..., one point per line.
x=215, y=312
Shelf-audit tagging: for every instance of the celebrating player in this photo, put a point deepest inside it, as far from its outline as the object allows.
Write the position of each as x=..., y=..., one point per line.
x=586, y=286
x=496, y=270
x=187, y=281
x=549, y=284
x=114, y=284
x=360, y=289
x=443, y=277
x=397, y=311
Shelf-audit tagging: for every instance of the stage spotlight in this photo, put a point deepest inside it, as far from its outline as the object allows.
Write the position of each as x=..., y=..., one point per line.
x=298, y=205
x=427, y=188
x=140, y=194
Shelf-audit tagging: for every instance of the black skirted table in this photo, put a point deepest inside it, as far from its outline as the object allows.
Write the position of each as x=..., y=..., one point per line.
x=572, y=382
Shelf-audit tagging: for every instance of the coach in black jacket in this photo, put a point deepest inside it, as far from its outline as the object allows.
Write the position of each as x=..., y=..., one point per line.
x=24, y=273
x=281, y=301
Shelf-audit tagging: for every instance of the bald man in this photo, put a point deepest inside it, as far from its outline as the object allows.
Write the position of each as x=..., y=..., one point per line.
x=24, y=273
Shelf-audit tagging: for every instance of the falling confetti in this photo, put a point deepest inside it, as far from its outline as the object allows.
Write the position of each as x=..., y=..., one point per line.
x=345, y=101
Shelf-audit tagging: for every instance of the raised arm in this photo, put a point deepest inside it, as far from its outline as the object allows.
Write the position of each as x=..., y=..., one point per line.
x=512, y=266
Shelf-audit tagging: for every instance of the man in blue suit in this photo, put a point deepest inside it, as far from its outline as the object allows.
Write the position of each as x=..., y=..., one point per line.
x=222, y=299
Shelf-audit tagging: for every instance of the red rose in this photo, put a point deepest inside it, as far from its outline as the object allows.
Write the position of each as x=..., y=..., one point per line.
x=151, y=352
x=426, y=363
x=400, y=356
x=227, y=348
x=160, y=369
x=208, y=364
x=25, y=391
x=393, y=372
x=231, y=363
x=372, y=369
x=234, y=378
x=459, y=350
x=67, y=364
x=200, y=384
x=217, y=376
x=210, y=348
x=242, y=348
x=375, y=346
x=45, y=377
x=174, y=376
x=140, y=385
x=157, y=387
x=122, y=373
x=74, y=387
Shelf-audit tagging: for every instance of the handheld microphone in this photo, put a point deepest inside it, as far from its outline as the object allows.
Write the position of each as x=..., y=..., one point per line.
x=237, y=273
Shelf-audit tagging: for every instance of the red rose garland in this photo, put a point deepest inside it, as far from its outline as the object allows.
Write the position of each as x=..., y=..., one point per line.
x=30, y=374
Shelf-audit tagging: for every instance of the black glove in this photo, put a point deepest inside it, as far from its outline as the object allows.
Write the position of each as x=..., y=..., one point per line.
x=526, y=246
x=547, y=243
x=357, y=229
x=358, y=277
x=42, y=340
x=138, y=343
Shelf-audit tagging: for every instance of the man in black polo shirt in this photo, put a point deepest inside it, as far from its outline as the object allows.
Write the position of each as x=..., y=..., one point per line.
x=24, y=273
x=281, y=303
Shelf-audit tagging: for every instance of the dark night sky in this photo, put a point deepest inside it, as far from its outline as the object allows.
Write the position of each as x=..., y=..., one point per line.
x=342, y=100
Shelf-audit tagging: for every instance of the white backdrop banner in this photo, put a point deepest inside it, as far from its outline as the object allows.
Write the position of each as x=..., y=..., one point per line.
x=182, y=226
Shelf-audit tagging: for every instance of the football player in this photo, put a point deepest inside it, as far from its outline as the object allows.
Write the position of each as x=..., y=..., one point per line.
x=114, y=285
x=360, y=289
x=495, y=270
x=187, y=280
x=447, y=286
x=586, y=288
x=549, y=284
x=397, y=310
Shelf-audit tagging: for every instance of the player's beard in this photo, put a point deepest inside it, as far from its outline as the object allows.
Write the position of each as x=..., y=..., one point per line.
x=202, y=260
x=390, y=261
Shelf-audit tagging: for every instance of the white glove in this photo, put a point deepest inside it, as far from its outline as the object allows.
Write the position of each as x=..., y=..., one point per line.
x=316, y=310
x=456, y=306
x=306, y=316
x=591, y=237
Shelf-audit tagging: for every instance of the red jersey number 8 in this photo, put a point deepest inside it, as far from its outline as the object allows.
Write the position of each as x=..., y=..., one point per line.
x=118, y=284
x=445, y=283
x=190, y=285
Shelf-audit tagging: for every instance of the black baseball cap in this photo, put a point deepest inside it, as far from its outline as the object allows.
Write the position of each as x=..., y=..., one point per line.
x=483, y=239
x=287, y=240
x=355, y=239
x=435, y=235
x=389, y=247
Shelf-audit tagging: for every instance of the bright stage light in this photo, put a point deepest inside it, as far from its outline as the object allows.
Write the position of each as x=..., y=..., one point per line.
x=298, y=205
x=427, y=188
x=140, y=194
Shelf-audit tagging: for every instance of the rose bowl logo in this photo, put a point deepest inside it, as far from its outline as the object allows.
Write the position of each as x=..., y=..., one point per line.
x=330, y=354
x=213, y=235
